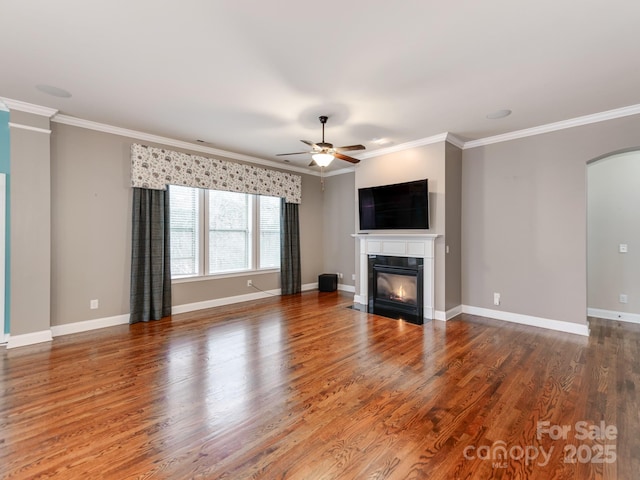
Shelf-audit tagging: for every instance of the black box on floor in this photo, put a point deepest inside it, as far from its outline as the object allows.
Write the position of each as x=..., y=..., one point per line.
x=328, y=282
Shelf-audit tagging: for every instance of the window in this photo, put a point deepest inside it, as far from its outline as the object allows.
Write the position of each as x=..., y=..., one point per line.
x=185, y=232
x=229, y=231
x=269, y=232
x=215, y=232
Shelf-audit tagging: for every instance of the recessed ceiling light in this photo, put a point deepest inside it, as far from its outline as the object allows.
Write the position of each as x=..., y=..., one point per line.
x=498, y=114
x=55, y=91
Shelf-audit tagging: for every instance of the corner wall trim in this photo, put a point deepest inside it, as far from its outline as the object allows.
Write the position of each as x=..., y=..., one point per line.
x=87, y=325
x=32, y=338
x=612, y=315
x=448, y=315
x=559, y=325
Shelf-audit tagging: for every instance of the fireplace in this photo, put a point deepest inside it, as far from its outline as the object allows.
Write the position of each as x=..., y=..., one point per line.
x=396, y=287
x=419, y=248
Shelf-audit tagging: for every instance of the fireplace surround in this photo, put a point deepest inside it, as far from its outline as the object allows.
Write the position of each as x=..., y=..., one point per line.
x=412, y=246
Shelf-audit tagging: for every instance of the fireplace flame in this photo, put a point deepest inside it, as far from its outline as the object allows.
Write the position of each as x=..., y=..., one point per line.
x=398, y=294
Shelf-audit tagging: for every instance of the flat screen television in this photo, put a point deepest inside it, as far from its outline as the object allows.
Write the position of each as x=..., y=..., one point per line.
x=394, y=207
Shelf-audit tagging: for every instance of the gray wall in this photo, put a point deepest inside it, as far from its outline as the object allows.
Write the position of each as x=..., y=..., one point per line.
x=524, y=219
x=339, y=246
x=91, y=234
x=453, y=226
x=30, y=255
x=613, y=218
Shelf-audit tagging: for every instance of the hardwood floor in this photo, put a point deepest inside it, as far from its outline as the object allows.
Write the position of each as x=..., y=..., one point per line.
x=305, y=388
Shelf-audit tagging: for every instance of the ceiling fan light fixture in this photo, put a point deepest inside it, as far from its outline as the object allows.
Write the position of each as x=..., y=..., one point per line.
x=322, y=159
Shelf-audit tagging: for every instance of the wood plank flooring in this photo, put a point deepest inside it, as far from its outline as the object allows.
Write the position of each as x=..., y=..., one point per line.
x=303, y=387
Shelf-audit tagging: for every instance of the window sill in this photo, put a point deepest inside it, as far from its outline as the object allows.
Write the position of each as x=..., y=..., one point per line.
x=203, y=278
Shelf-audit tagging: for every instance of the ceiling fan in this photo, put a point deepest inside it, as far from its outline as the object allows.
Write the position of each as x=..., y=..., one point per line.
x=323, y=152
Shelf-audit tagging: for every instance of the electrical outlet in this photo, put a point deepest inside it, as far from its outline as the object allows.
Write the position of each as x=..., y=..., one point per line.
x=340, y=275
x=623, y=298
x=353, y=276
x=249, y=283
x=496, y=299
x=623, y=248
x=93, y=304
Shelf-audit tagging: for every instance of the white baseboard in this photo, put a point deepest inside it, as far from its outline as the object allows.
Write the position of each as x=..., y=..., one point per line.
x=88, y=325
x=448, y=315
x=347, y=288
x=219, y=302
x=547, y=323
x=612, y=315
x=29, y=339
x=308, y=286
x=85, y=326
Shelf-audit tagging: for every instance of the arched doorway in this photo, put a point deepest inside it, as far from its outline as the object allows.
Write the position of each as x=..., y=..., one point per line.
x=613, y=236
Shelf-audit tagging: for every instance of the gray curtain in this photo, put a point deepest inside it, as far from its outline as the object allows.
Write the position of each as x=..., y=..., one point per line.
x=290, y=276
x=150, y=256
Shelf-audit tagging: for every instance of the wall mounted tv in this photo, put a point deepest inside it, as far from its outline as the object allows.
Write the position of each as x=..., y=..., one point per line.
x=395, y=207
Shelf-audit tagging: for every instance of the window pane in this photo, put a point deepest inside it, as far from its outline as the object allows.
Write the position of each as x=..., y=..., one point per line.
x=184, y=213
x=269, y=232
x=229, y=231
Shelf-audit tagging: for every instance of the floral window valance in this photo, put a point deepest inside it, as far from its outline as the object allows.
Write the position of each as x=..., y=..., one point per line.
x=155, y=168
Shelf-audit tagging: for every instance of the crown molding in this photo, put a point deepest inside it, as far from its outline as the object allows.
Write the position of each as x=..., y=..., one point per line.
x=28, y=107
x=29, y=128
x=340, y=171
x=404, y=146
x=148, y=137
x=453, y=140
x=7, y=104
x=553, y=127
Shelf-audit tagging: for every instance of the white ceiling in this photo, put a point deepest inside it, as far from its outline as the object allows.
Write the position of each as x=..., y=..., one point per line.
x=252, y=77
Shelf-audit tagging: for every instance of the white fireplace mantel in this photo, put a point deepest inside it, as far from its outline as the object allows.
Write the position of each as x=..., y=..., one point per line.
x=417, y=245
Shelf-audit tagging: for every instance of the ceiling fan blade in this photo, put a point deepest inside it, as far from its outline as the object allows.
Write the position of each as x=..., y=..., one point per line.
x=346, y=157
x=294, y=153
x=313, y=163
x=352, y=147
x=311, y=144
